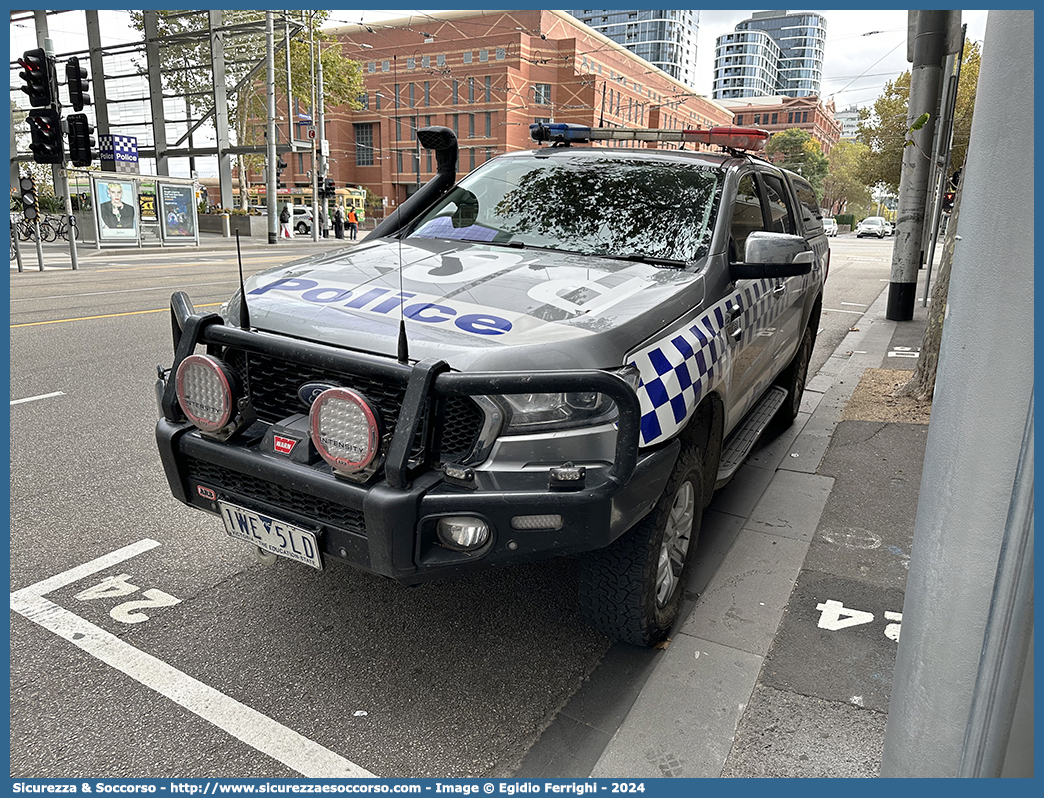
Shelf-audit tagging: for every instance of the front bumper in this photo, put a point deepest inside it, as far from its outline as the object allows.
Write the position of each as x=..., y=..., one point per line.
x=388, y=526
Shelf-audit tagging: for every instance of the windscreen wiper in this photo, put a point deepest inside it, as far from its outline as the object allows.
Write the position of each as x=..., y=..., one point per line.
x=652, y=260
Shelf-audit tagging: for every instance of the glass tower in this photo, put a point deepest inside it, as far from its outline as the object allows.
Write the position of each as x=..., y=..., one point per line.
x=666, y=39
x=772, y=53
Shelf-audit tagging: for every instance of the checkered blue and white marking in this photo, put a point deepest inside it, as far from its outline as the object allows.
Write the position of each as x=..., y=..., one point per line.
x=680, y=369
x=119, y=153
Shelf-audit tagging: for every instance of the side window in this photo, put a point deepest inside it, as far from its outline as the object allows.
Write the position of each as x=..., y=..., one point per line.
x=781, y=219
x=746, y=216
x=809, y=206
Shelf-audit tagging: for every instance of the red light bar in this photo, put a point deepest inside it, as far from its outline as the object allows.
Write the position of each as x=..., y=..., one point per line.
x=737, y=138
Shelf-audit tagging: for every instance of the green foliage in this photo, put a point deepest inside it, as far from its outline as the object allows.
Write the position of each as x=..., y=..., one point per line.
x=845, y=218
x=843, y=186
x=796, y=150
x=884, y=128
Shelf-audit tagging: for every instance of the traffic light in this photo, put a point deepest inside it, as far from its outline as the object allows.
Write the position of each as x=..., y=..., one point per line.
x=947, y=203
x=47, y=145
x=30, y=208
x=328, y=187
x=280, y=166
x=79, y=86
x=40, y=79
x=80, y=140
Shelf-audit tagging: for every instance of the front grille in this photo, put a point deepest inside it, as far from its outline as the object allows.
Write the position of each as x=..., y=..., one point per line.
x=273, y=383
x=224, y=480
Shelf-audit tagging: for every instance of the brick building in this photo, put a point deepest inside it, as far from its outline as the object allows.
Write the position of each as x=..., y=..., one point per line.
x=487, y=75
x=783, y=113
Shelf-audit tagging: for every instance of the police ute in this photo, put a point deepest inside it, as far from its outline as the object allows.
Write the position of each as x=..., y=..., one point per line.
x=564, y=353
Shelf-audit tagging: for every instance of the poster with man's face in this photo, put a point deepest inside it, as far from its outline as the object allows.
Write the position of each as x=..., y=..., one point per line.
x=117, y=209
x=178, y=210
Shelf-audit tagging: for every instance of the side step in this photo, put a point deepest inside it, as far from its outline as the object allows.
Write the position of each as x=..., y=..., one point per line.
x=743, y=438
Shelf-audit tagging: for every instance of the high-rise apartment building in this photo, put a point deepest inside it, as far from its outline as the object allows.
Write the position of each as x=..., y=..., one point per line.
x=772, y=53
x=666, y=39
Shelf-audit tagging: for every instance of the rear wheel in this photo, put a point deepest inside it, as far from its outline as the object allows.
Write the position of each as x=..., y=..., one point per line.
x=301, y=229
x=793, y=379
x=632, y=590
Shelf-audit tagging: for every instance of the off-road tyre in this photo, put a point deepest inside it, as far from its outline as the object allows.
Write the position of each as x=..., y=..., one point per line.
x=619, y=584
x=793, y=378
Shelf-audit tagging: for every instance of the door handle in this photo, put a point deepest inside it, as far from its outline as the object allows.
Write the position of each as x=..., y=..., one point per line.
x=734, y=327
x=780, y=289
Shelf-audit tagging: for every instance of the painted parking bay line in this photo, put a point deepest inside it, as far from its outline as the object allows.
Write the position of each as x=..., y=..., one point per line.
x=245, y=724
x=36, y=398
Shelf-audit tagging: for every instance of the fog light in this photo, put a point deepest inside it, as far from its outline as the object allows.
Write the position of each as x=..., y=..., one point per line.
x=462, y=532
x=537, y=522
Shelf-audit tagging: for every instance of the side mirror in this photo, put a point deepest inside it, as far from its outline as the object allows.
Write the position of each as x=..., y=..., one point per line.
x=773, y=255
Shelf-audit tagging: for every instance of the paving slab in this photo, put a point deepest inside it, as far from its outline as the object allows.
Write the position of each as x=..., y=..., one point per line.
x=792, y=505
x=683, y=722
x=742, y=606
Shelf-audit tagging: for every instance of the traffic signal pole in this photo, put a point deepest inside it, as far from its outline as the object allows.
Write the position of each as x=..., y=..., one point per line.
x=928, y=38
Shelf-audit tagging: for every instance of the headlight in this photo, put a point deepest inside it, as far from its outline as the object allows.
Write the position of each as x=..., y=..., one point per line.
x=206, y=388
x=537, y=412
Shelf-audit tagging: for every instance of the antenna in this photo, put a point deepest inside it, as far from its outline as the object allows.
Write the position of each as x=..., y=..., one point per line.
x=244, y=314
x=403, y=347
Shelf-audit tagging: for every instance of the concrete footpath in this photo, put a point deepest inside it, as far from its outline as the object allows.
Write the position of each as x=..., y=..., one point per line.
x=782, y=666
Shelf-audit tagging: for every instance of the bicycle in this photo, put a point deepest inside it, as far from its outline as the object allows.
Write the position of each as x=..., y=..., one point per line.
x=27, y=231
x=62, y=226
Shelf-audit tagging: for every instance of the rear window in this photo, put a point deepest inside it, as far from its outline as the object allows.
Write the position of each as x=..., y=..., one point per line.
x=811, y=215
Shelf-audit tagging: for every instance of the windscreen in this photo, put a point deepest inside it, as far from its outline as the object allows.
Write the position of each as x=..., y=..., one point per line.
x=588, y=204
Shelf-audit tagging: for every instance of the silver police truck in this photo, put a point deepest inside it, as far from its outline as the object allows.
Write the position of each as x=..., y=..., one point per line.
x=564, y=353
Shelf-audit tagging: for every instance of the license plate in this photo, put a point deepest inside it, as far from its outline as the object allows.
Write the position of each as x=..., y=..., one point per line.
x=272, y=535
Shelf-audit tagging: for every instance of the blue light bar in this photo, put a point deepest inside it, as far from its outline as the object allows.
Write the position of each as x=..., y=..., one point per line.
x=559, y=132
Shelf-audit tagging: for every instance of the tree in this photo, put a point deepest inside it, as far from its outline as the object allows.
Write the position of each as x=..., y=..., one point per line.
x=921, y=384
x=187, y=71
x=883, y=129
x=843, y=187
x=796, y=150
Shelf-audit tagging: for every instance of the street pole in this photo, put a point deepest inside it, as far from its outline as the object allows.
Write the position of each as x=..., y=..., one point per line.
x=270, y=189
x=315, y=132
x=320, y=134
x=928, y=32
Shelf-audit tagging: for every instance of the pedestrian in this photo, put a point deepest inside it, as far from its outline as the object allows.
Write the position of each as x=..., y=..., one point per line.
x=284, y=222
x=353, y=224
x=339, y=222
x=322, y=223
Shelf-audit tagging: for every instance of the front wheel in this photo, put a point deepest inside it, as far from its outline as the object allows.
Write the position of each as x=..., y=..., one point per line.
x=301, y=229
x=632, y=589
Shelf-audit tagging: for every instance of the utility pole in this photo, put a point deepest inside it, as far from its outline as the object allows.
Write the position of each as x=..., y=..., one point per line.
x=270, y=190
x=927, y=50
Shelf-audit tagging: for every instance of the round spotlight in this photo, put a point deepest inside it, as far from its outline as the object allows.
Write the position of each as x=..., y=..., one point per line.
x=205, y=388
x=345, y=429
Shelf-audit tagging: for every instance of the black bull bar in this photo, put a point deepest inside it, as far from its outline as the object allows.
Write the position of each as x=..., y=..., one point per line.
x=424, y=379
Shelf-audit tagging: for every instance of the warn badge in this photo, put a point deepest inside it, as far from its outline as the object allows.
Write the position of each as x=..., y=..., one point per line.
x=283, y=445
x=206, y=493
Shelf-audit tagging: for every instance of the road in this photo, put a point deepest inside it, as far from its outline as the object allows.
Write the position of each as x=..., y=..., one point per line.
x=146, y=644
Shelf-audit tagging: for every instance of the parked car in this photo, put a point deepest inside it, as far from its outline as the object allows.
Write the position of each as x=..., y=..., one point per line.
x=871, y=226
x=830, y=226
x=302, y=219
x=521, y=365
x=888, y=227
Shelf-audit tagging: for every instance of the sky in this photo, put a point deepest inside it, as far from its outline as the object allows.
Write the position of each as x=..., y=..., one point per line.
x=864, y=49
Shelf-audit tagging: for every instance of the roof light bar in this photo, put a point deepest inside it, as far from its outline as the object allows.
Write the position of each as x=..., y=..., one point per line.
x=737, y=138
